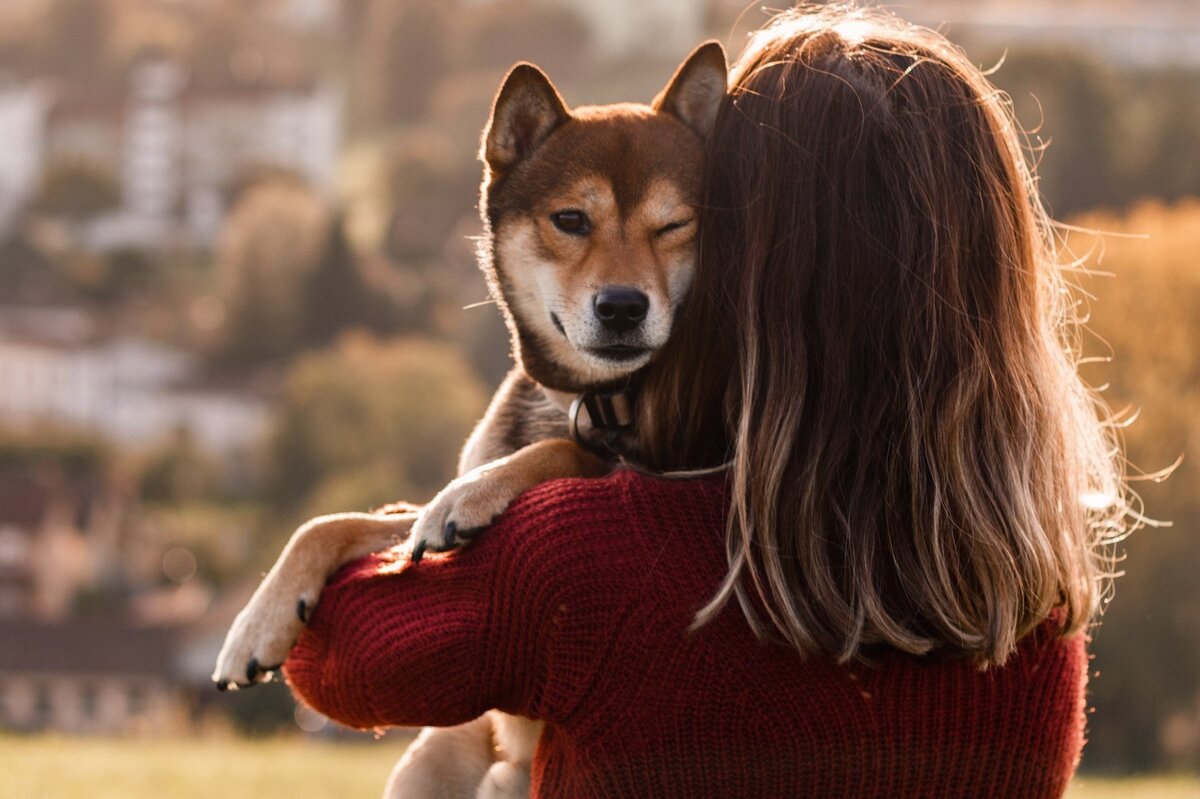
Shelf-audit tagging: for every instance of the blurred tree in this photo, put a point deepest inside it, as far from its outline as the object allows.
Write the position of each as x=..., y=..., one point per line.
x=122, y=275
x=1104, y=136
x=336, y=295
x=74, y=38
x=1147, y=692
x=481, y=333
x=225, y=537
x=77, y=191
x=1162, y=154
x=268, y=250
x=131, y=270
x=29, y=275
x=428, y=190
x=372, y=421
x=496, y=35
x=50, y=450
x=403, y=54
x=462, y=309
x=1069, y=103
x=178, y=472
x=216, y=37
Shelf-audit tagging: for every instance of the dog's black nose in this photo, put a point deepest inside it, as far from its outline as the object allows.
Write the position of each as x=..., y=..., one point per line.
x=620, y=308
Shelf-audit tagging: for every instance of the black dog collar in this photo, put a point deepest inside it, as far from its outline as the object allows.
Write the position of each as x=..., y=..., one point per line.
x=611, y=414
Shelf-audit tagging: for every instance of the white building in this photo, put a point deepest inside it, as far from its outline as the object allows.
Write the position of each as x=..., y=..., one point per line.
x=150, y=161
x=63, y=535
x=1136, y=34
x=58, y=536
x=55, y=369
x=23, y=110
x=178, y=147
x=621, y=27
x=87, y=676
x=307, y=14
x=225, y=134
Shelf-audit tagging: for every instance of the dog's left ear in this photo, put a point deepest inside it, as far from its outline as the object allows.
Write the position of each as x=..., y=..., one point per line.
x=696, y=88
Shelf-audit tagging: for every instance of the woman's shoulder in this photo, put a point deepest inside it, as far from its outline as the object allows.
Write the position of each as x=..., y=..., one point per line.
x=625, y=494
x=620, y=509
x=614, y=537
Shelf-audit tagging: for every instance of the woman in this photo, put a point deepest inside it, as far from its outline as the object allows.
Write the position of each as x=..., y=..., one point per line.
x=886, y=593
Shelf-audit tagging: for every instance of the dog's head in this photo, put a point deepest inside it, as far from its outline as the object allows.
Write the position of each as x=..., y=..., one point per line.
x=592, y=219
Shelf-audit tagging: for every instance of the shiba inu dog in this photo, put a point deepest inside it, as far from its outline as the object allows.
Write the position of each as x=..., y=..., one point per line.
x=591, y=218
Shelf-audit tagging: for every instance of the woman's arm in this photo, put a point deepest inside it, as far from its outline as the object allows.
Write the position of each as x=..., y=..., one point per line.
x=393, y=644
x=514, y=622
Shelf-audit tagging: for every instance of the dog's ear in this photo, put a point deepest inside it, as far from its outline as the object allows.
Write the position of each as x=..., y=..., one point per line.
x=527, y=109
x=696, y=88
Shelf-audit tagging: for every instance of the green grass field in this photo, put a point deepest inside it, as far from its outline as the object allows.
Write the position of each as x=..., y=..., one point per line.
x=94, y=768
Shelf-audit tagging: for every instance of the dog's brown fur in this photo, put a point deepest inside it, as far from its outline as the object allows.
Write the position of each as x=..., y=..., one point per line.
x=635, y=172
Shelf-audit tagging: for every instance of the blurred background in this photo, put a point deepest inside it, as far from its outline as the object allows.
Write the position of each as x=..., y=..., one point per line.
x=237, y=289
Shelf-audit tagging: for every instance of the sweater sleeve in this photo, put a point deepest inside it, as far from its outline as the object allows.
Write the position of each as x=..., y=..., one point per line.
x=507, y=623
x=393, y=645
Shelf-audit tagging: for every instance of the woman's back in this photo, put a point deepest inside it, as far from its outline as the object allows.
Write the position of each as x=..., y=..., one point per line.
x=575, y=608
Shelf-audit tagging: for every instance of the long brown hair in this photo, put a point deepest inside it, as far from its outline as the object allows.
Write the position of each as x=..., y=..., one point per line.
x=890, y=356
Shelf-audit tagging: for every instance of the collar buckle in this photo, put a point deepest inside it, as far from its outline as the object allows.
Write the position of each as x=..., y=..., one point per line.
x=610, y=414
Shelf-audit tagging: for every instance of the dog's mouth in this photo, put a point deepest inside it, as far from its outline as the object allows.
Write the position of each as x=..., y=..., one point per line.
x=620, y=353
x=615, y=353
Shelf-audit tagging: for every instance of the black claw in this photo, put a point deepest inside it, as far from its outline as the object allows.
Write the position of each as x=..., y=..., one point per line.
x=222, y=685
x=302, y=611
x=418, y=551
x=253, y=670
x=449, y=534
x=469, y=534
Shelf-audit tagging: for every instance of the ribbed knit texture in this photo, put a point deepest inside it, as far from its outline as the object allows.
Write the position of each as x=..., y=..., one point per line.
x=574, y=609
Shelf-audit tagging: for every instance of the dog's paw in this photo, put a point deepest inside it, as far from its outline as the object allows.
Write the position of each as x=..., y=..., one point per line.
x=460, y=512
x=261, y=637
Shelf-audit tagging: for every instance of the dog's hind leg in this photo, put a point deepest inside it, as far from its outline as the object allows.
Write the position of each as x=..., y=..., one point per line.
x=505, y=780
x=515, y=740
x=445, y=763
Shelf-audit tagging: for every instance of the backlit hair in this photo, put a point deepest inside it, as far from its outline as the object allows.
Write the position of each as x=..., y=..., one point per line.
x=888, y=355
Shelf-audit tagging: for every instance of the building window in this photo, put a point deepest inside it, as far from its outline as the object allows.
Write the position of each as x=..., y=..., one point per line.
x=43, y=706
x=14, y=546
x=87, y=702
x=136, y=701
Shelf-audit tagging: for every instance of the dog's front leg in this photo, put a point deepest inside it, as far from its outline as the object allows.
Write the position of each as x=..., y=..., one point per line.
x=472, y=502
x=264, y=632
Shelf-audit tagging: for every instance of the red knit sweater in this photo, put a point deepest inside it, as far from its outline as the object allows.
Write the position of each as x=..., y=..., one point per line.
x=574, y=609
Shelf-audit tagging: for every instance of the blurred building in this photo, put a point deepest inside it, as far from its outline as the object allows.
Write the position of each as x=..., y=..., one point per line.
x=1137, y=34
x=75, y=671
x=625, y=27
x=307, y=14
x=23, y=109
x=58, y=536
x=179, y=145
x=58, y=368
x=87, y=675
x=71, y=662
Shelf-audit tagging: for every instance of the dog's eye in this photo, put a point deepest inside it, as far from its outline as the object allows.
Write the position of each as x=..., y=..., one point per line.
x=572, y=221
x=672, y=226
